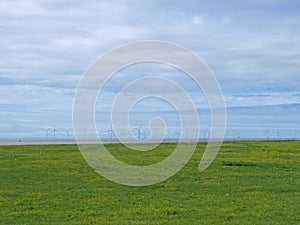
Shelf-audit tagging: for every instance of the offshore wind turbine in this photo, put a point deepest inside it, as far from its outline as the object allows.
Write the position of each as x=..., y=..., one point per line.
x=110, y=132
x=176, y=134
x=54, y=132
x=187, y=132
x=68, y=133
x=268, y=133
x=235, y=134
x=205, y=134
x=47, y=132
x=294, y=134
x=140, y=132
x=155, y=133
x=169, y=134
x=194, y=134
x=277, y=134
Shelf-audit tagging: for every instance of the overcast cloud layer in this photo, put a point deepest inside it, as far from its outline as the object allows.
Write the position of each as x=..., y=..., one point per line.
x=252, y=47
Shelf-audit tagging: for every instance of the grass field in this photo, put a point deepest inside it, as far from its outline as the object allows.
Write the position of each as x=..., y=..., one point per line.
x=250, y=182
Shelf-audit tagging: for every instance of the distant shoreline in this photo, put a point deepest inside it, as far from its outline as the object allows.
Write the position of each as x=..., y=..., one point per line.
x=7, y=142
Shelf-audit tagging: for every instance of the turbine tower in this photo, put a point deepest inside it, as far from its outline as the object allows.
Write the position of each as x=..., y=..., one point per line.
x=54, y=132
x=47, y=132
x=277, y=134
x=68, y=133
x=235, y=134
x=110, y=132
x=268, y=133
x=205, y=134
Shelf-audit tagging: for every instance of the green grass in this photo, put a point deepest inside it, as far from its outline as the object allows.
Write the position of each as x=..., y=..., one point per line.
x=250, y=182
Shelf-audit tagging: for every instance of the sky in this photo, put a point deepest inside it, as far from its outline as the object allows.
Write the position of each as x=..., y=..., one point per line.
x=252, y=47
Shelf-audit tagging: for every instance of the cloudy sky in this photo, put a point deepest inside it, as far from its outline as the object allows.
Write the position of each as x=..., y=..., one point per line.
x=252, y=47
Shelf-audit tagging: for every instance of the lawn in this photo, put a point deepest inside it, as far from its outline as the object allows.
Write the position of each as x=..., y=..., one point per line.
x=250, y=182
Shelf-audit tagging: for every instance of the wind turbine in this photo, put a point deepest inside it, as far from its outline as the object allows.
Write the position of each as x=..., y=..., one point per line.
x=122, y=133
x=176, y=134
x=54, y=131
x=68, y=133
x=294, y=134
x=155, y=133
x=194, y=134
x=277, y=134
x=187, y=132
x=110, y=132
x=169, y=134
x=205, y=134
x=139, y=130
x=101, y=134
x=47, y=132
x=268, y=133
x=235, y=134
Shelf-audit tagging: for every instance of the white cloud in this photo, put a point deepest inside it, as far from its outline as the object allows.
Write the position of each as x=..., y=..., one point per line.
x=263, y=99
x=45, y=46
